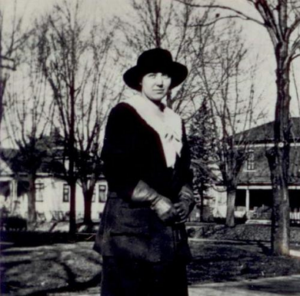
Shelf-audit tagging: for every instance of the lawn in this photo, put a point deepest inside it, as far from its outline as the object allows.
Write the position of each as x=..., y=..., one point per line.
x=39, y=263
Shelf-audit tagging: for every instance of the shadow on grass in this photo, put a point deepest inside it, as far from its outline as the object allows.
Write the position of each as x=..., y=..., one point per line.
x=59, y=274
x=265, y=249
x=73, y=286
x=33, y=265
x=39, y=238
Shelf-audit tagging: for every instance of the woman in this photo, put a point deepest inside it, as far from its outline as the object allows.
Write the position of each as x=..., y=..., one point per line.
x=142, y=236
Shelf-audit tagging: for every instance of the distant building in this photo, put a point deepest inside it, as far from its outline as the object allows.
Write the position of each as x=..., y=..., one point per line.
x=52, y=193
x=254, y=183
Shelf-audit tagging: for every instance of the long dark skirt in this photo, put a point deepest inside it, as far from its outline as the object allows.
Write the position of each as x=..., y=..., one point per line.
x=127, y=277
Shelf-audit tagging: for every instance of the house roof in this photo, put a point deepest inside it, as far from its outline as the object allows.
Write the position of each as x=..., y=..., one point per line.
x=265, y=133
x=48, y=156
x=16, y=162
x=260, y=175
x=4, y=168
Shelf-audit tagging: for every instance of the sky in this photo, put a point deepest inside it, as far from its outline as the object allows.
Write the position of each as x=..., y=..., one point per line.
x=33, y=8
x=256, y=38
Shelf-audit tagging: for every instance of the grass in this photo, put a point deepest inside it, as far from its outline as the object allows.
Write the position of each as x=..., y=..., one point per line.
x=217, y=262
x=41, y=262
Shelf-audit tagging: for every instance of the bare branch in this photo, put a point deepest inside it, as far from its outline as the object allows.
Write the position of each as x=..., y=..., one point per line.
x=292, y=28
x=295, y=57
x=223, y=7
x=220, y=19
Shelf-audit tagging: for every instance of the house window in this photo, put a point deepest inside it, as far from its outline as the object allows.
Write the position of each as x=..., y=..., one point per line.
x=5, y=188
x=39, y=188
x=66, y=193
x=102, y=193
x=251, y=160
x=23, y=188
x=240, y=201
x=259, y=198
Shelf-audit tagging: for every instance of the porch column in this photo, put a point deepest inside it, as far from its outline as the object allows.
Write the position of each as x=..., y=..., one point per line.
x=247, y=200
x=13, y=194
x=216, y=202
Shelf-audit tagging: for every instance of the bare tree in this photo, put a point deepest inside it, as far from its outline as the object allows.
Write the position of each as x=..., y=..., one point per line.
x=281, y=19
x=98, y=94
x=60, y=48
x=214, y=64
x=230, y=96
x=78, y=63
x=27, y=119
x=12, y=41
x=166, y=24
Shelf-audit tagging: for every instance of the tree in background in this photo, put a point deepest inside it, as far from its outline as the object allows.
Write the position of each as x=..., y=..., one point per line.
x=84, y=89
x=98, y=94
x=228, y=87
x=202, y=140
x=59, y=49
x=27, y=119
x=168, y=25
x=13, y=39
x=281, y=20
x=215, y=77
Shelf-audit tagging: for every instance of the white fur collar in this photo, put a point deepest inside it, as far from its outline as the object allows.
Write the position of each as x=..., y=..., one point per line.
x=166, y=123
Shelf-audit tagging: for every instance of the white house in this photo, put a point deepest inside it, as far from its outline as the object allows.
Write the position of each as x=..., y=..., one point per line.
x=52, y=196
x=254, y=189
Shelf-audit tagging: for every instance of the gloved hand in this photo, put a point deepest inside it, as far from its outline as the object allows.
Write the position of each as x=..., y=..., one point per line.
x=186, y=193
x=164, y=209
x=185, y=204
x=160, y=204
x=182, y=210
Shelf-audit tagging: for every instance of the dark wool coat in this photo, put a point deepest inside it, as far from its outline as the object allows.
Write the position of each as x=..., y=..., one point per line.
x=132, y=152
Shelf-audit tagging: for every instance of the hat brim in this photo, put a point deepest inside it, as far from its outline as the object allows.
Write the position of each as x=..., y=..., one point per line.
x=176, y=71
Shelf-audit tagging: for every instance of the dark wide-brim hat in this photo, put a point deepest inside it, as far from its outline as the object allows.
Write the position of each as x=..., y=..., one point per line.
x=153, y=61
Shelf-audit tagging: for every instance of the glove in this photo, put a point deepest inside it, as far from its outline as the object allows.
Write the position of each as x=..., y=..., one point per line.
x=186, y=193
x=182, y=210
x=160, y=204
x=185, y=204
x=164, y=209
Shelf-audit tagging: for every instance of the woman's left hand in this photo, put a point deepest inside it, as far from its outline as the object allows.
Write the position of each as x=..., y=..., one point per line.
x=185, y=204
x=183, y=211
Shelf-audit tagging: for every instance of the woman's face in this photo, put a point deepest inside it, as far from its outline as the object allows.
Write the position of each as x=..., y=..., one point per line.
x=155, y=85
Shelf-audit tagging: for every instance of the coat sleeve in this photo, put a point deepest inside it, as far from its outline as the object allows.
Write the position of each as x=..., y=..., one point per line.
x=119, y=154
x=186, y=174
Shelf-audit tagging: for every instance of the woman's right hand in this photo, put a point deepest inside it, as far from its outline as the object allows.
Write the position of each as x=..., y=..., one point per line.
x=164, y=209
x=162, y=205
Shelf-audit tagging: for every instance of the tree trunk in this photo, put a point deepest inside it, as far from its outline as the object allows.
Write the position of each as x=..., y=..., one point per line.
x=31, y=200
x=72, y=153
x=201, y=193
x=279, y=156
x=3, y=81
x=231, y=195
x=1, y=99
x=280, y=208
x=88, y=195
x=72, y=221
x=72, y=182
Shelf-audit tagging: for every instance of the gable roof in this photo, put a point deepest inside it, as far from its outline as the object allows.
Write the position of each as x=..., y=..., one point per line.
x=265, y=133
x=47, y=163
x=4, y=168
